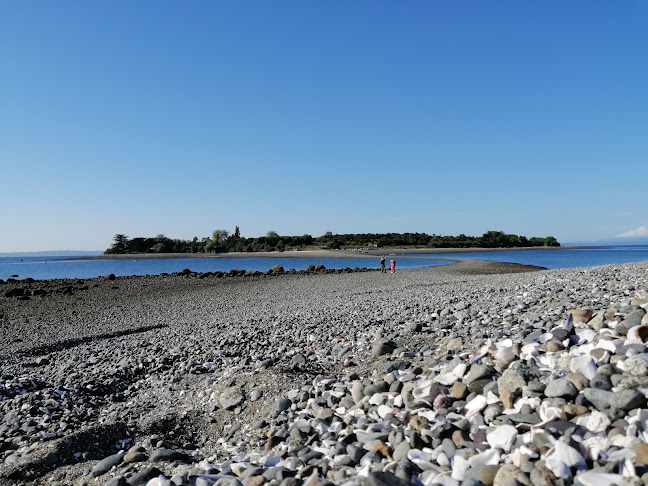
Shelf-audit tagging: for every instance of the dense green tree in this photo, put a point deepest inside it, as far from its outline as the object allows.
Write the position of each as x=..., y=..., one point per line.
x=221, y=242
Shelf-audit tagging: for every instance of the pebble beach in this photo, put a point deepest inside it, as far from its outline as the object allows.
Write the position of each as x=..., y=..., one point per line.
x=474, y=373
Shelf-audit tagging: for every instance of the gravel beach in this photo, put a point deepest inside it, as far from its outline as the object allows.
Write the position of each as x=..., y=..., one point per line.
x=465, y=374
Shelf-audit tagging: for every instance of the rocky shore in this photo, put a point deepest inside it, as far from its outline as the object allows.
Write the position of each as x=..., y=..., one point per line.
x=462, y=374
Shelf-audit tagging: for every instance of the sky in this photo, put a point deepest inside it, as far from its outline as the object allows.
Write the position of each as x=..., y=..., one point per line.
x=364, y=116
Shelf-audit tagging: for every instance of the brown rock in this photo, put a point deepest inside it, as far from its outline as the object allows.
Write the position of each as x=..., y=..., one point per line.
x=487, y=474
x=381, y=447
x=419, y=423
x=459, y=437
x=459, y=390
x=542, y=475
x=509, y=473
x=572, y=410
x=641, y=451
x=579, y=381
x=454, y=344
x=581, y=315
x=255, y=480
x=553, y=347
x=510, y=387
x=134, y=457
x=598, y=353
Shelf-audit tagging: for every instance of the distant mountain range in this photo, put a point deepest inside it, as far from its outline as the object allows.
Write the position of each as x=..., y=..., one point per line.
x=56, y=253
x=637, y=236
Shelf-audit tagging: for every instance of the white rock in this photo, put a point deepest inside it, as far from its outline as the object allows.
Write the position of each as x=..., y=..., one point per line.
x=503, y=437
x=597, y=422
x=587, y=335
x=584, y=365
x=422, y=391
x=460, y=370
x=505, y=355
x=459, y=467
x=488, y=457
x=446, y=378
x=607, y=344
x=443, y=460
x=562, y=457
x=475, y=405
x=594, y=478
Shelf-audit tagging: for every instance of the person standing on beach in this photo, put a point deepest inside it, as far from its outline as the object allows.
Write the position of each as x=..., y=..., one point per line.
x=392, y=264
x=382, y=264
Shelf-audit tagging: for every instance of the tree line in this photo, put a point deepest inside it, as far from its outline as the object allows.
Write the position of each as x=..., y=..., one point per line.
x=222, y=241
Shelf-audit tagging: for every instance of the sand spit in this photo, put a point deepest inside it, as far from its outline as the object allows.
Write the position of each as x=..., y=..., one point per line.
x=450, y=375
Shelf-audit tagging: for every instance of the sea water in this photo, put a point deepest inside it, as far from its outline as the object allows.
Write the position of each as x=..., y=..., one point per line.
x=43, y=267
x=561, y=258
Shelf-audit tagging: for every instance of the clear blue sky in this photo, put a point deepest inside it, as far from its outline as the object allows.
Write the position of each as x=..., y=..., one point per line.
x=300, y=117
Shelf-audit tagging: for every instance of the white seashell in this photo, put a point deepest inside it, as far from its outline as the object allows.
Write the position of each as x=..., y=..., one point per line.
x=529, y=350
x=427, y=413
x=587, y=335
x=594, y=478
x=446, y=378
x=594, y=446
x=627, y=469
x=503, y=437
x=489, y=457
x=476, y=358
x=544, y=337
x=549, y=413
x=634, y=335
x=585, y=366
x=422, y=391
x=582, y=350
x=548, y=361
x=607, y=344
x=562, y=457
x=475, y=405
x=459, y=467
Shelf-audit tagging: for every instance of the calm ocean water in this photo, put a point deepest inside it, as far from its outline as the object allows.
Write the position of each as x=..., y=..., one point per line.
x=53, y=267
x=44, y=267
x=583, y=257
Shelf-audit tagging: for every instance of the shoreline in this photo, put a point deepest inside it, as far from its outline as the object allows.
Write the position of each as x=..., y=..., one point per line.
x=313, y=253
